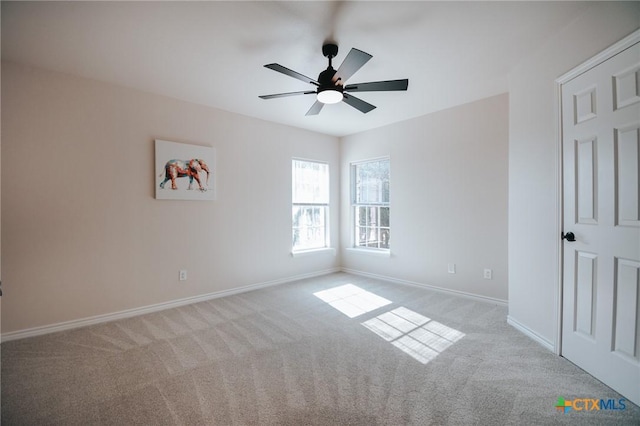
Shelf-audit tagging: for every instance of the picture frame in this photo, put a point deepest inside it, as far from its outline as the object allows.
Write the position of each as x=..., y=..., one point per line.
x=184, y=171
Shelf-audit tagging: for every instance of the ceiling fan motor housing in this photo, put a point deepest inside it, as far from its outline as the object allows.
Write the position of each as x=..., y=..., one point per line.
x=326, y=80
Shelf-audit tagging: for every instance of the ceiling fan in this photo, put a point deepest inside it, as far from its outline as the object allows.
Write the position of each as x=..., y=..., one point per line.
x=330, y=83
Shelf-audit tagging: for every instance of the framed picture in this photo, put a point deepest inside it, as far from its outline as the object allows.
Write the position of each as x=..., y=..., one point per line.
x=184, y=172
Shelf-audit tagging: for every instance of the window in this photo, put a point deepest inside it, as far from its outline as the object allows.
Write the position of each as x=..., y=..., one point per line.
x=310, y=205
x=370, y=201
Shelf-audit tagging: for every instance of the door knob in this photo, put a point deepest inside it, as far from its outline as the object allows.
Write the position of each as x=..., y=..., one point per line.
x=568, y=236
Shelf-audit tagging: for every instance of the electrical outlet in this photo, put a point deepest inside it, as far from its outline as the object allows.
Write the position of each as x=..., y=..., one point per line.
x=451, y=268
x=183, y=275
x=488, y=274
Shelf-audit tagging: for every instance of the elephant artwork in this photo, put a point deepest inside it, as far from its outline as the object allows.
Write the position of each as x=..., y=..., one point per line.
x=179, y=167
x=175, y=169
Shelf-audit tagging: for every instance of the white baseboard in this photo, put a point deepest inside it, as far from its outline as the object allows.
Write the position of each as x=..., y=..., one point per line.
x=530, y=333
x=428, y=286
x=83, y=322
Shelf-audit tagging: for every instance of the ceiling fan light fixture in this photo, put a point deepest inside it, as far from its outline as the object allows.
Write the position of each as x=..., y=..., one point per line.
x=330, y=96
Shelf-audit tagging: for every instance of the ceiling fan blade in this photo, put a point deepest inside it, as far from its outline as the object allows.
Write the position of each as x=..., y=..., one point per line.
x=378, y=86
x=291, y=73
x=282, y=95
x=358, y=104
x=315, y=108
x=352, y=63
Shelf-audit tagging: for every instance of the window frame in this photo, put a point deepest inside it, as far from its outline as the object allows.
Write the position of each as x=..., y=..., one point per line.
x=325, y=206
x=355, y=205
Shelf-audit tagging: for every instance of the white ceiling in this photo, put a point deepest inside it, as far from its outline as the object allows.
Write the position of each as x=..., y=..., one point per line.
x=212, y=53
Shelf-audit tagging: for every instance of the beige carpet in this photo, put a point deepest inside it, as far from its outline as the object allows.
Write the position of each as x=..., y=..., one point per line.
x=359, y=352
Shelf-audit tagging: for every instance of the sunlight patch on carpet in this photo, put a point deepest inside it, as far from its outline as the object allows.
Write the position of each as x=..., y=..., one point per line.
x=416, y=335
x=351, y=300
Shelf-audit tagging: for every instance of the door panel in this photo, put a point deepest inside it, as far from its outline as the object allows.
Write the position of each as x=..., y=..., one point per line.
x=627, y=321
x=601, y=271
x=586, y=181
x=627, y=149
x=585, y=291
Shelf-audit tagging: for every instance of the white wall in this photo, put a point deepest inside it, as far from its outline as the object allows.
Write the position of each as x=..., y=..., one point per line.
x=533, y=158
x=448, y=197
x=82, y=232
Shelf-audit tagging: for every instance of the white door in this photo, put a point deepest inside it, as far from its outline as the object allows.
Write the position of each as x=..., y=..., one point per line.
x=601, y=163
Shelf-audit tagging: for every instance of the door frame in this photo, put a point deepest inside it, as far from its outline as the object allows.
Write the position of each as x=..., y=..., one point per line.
x=596, y=60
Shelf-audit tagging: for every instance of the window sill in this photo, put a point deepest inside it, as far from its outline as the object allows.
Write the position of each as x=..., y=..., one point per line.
x=313, y=251
x=370, y=252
